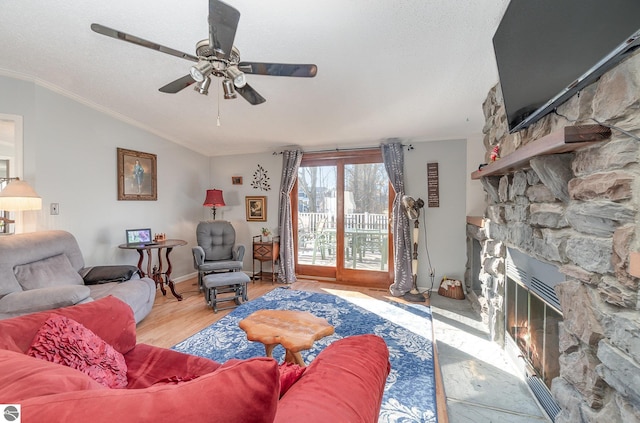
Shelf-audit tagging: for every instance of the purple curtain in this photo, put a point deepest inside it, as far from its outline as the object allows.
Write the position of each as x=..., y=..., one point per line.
x=393, y=157
x=290, y=163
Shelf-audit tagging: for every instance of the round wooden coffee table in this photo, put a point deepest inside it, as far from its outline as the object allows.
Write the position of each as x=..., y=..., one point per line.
x=294, y=330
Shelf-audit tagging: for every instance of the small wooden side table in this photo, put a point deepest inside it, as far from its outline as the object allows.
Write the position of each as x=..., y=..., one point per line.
x=159, y=277
x=265, y=251
x=294, y=330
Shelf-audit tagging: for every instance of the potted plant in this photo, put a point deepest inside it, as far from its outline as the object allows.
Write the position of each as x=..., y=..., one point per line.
x=266, y=232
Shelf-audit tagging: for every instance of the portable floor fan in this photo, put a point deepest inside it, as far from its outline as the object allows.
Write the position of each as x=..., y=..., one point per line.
x=217, y=56
x=412, y=208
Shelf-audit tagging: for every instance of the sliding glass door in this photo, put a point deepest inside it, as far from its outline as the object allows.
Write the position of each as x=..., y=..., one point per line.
x=342, y=218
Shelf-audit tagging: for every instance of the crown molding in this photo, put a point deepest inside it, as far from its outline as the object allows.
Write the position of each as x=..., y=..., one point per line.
x=102, y=109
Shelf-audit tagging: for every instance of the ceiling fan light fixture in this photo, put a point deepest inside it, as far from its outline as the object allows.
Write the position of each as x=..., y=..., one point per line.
x=227, y=87
x=203, y=86
x=201, y=70
x=237, y=76
x=216, y=56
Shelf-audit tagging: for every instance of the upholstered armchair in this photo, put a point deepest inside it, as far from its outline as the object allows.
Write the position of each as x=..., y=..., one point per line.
x=216, y=250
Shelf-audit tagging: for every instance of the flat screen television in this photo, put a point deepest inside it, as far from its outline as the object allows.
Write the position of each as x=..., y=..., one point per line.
x=548, y=50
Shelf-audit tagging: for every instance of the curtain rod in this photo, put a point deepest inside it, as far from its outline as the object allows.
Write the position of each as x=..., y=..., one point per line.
x=409, y=147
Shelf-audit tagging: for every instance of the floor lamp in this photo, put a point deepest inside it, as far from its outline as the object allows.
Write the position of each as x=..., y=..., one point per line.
x=412, y=208
x=17, y=196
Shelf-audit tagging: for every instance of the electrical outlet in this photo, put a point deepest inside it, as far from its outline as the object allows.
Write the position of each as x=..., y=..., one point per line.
x=55, y=208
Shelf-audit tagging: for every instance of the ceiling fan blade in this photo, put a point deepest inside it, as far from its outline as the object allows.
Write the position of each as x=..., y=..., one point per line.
x=177, y=85
x=114, y=33
x=251, y=95
x=223, y=22
x=279, y=69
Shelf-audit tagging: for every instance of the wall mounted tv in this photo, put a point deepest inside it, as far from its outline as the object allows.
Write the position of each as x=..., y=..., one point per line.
x=548, y=50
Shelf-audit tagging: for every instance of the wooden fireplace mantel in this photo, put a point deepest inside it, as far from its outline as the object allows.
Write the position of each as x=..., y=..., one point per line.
x=568, y=139
x=634, y=264
x=476, y=221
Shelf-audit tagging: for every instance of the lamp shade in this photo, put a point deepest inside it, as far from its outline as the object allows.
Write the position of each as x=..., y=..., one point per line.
x=214, y=198
x=18, y=195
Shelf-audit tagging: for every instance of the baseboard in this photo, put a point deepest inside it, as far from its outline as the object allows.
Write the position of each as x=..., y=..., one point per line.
x=186, y=277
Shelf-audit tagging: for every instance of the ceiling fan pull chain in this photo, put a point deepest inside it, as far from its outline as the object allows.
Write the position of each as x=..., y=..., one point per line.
x=218, y=95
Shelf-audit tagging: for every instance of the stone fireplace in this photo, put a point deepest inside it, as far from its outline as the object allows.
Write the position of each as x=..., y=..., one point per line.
x=574, y=213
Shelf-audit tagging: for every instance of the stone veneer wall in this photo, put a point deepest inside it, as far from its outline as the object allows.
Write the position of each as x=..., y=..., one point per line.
x=578, y=211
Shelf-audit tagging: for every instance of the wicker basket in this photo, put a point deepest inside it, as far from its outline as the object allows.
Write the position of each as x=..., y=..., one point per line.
x=449, y=291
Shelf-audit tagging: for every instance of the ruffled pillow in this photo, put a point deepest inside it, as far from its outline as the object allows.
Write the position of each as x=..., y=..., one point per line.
x=64, y=341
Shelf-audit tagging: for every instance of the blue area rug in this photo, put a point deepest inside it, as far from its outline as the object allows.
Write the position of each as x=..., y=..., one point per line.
x=409, y=394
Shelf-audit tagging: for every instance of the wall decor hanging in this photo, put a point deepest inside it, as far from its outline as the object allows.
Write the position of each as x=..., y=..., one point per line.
x=256, y=209
x=137, y=178
x=433, y=185
x=261, y=179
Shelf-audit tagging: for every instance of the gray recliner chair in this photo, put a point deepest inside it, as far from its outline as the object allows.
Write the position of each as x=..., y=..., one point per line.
x=216, y=250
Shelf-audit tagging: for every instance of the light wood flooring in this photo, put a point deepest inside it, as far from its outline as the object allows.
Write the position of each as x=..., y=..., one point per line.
x=172, y=321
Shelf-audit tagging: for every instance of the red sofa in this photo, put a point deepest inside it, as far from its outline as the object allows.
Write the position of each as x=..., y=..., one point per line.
x=344, y=383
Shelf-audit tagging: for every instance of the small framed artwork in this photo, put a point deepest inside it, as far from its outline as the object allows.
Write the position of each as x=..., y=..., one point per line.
x=236, y=180
x=137, y=175
x=256, y=209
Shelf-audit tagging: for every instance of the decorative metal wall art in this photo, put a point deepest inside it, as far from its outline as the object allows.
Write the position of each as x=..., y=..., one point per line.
x=261, y=179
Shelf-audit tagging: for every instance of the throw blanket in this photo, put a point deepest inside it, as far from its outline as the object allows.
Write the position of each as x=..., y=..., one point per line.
x=410, y=389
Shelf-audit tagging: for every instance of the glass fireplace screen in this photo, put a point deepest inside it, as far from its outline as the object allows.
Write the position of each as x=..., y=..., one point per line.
x=533, y=326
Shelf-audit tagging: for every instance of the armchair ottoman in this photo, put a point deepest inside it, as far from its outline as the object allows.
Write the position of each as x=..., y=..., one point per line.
x=221, y=283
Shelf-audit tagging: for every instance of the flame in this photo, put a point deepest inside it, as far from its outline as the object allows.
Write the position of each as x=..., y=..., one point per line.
x=524, y=341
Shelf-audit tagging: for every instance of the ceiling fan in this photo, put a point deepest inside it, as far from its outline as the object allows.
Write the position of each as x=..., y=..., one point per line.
x=217, y=56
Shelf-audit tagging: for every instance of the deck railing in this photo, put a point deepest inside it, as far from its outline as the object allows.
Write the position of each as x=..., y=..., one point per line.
x=365, y=243
x=312, y=222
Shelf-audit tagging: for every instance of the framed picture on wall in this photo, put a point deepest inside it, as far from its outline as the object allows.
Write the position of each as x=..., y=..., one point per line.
x=256, y=209
x=137, y=175
x=236, y=180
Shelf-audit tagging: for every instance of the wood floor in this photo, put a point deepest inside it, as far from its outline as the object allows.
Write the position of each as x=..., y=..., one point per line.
x=172, y=321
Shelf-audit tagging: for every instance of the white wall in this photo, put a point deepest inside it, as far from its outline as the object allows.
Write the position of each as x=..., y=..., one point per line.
x=476, y=198
x=70, y=159
x=445, y=225
x=222, y=169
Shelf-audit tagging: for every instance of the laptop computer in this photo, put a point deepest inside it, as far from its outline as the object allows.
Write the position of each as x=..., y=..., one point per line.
x=139, y=237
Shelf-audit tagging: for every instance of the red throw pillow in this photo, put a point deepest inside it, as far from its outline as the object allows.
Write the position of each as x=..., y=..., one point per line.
x=64, y=341
x=289, y=374
x=23, y=377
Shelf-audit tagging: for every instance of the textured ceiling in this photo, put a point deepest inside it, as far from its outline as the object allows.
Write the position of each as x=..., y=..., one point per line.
x=413, y=69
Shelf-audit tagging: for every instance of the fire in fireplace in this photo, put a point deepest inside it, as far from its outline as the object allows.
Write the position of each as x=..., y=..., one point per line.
x=533, y=326
x=532, y=314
